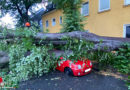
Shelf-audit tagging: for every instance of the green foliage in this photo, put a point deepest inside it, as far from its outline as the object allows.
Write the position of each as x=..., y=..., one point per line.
x=73, y=20
x=26, y=32
x=83, y=49
x=80, y=48
x=46, y=31
x=118, y=59
x=22, y=31
x=104, y=59
x=128, y=83
x=4, y=46
x=67, y=3
x=37, y=63
x=26, y=59
x=122, y=60
x=24, y=68
x=28, y=43
x=16, y=52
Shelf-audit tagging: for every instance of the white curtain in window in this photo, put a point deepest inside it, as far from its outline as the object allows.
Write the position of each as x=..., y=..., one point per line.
x=104, y=4
x=127, y=2
x=85, y=9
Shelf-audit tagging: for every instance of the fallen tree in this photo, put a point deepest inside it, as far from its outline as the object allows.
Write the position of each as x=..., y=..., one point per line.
x=102, y=42
x=4, y=58
x=56, y=38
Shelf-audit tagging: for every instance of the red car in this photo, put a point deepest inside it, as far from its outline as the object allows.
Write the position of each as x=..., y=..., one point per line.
x=79, y=68
x=1, y=80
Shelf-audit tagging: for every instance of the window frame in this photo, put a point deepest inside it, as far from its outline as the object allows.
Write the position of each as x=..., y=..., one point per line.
x=124, y=30
x=126, y=3
x=46, y=24
x=52, y=22
x=101, y=10
x=82, y=9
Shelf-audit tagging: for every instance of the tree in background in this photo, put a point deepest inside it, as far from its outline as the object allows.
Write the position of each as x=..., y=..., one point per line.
x=19, y=8
x=73, y=20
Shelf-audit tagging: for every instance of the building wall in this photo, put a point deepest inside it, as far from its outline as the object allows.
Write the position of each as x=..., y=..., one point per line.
x=49, y=16
x=106, y=23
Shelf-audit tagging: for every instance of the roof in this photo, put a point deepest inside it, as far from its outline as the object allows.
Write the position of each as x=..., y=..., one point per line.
x=49, y=8
x=38, y=15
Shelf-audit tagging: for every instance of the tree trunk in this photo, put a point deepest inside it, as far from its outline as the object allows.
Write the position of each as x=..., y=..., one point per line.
x=4, y=58
x=56, y=38
x=110, y=43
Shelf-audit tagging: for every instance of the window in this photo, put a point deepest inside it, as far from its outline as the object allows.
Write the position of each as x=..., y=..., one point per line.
x=104, y=5
x=53, y=22
x=47, y=24
x=127, y=31
x=60, y=19
x=85, y=9
x=127, y=2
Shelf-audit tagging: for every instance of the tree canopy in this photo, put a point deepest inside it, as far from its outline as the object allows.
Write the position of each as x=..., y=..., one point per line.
x=62, y=4
x=19, y=8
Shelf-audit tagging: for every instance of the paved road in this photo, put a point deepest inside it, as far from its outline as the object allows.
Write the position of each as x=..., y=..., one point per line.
x=59, y=81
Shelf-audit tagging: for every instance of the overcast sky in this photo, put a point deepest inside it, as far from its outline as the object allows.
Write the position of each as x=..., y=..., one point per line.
x=7, y=20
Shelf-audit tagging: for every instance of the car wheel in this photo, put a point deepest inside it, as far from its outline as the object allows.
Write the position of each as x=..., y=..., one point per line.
x=68, y=71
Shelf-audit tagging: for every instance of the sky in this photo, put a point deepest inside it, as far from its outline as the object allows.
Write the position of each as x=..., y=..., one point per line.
x=9, y=21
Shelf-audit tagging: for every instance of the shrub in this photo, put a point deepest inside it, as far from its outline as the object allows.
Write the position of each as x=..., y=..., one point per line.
x=4, y=46
x=23, y=68
x=104, y=59
x=16, y=52
x=122, y=60
x=80, y=48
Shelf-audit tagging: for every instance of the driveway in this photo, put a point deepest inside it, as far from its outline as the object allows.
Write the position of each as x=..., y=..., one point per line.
x=59, y=81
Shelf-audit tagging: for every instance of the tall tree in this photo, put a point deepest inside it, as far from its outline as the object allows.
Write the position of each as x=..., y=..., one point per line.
x=73, y=20
x=19, y=8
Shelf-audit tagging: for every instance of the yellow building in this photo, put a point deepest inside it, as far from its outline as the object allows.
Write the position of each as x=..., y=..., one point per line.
x=104, y=17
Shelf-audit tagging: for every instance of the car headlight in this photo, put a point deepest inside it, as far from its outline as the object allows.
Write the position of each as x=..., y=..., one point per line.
x=79, y=66
x=90, y=63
